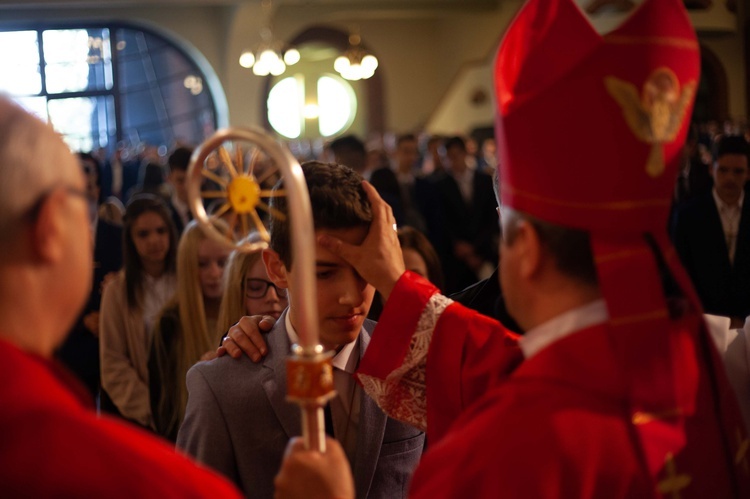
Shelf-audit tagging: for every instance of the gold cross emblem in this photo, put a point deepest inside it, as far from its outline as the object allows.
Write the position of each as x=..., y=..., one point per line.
x=743, y=445
x=674, y=482
x=656, y=115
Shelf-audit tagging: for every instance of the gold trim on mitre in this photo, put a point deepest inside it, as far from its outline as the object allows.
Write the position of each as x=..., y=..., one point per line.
x=659, y=313
x=620, y=255
x=613, y=206
x=669, y=41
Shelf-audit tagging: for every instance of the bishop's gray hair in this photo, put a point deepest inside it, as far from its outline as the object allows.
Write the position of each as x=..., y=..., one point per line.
x=31, y=163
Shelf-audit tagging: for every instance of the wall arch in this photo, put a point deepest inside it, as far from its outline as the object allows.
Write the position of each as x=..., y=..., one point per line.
x=712, y=100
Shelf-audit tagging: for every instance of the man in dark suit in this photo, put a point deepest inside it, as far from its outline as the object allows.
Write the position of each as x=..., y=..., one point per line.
x=178, y=163
x=119, y=174
x=712, y=235
x=468, y=242
x=350, y=151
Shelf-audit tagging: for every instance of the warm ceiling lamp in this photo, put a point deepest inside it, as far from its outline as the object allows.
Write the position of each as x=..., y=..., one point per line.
x=356, y=63
x=269, y=56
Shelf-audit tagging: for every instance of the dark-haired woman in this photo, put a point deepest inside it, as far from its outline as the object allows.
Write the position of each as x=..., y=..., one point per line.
x=132, y=302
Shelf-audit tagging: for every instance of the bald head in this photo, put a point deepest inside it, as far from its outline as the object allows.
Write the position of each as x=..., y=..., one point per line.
x=45, y=237
x=33, y=159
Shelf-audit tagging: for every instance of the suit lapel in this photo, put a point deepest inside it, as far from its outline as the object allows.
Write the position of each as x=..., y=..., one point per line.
x=370, y=435
x=274, y=379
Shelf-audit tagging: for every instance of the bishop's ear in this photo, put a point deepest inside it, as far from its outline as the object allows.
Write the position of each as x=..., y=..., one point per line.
x=275, y=268
x=49, y=228
x=529, y=249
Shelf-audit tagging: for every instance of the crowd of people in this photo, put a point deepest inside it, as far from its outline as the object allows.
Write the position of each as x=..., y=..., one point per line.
x=539, y=319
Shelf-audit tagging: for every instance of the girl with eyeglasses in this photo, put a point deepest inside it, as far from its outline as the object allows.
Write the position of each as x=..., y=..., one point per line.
x=185, y=331
x=248, y=291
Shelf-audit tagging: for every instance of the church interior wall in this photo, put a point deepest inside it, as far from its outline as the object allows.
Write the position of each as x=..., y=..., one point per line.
x=432, y=62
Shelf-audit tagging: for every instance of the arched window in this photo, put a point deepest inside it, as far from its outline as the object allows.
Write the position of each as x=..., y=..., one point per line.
x=103, y=84
x=329, y=107
x=319, y=47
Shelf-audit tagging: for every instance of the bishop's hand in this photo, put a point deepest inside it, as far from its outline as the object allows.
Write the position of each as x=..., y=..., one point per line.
x=378, y=259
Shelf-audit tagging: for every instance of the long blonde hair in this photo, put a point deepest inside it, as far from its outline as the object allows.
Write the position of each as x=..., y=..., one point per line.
x=193, y=339
x=233, y=301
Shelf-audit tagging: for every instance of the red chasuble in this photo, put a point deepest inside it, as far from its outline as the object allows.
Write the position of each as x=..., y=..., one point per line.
x=53, y=445
x=556, y=425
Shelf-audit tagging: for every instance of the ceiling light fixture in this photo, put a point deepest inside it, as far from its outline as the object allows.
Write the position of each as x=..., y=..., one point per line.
x=356, y=63
x=270, y=56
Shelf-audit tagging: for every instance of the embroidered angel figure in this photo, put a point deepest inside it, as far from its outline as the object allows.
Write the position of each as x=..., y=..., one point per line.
x=656, y=116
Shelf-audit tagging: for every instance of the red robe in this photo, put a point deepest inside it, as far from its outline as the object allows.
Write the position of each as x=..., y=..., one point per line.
x=556, y=425
x=53, y=445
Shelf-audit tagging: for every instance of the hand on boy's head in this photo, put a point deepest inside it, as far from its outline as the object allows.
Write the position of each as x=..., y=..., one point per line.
x=378, y=259
x=246, y=337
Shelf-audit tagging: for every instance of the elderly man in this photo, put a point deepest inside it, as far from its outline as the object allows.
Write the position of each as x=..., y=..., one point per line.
x=53, y=443
x=615, y=390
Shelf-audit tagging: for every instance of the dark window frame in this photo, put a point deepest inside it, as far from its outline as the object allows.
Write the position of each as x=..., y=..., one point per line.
x=166, y=122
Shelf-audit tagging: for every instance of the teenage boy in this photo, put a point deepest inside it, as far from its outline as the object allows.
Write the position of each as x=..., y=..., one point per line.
x=237, y=419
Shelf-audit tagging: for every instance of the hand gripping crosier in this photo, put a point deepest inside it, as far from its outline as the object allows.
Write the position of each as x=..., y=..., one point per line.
x=233, y=172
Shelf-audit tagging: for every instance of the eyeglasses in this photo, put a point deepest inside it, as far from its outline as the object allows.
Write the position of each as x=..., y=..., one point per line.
x=258, y=288
x=33, y=212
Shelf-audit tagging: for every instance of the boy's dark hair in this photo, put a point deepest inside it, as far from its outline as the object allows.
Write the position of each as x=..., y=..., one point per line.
x=350, y=151
x=731, y=144
x=86, y=156
x=337, y=199
x=180, y=159
x=571, y=248
x=406, y=137
x=455, y=142
x=348, y=143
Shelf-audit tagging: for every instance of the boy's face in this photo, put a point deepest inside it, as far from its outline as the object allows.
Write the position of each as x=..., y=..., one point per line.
x=344, y=298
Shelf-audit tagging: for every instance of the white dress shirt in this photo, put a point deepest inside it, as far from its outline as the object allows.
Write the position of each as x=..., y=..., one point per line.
x=730, y=221
x=572, y=321
x=734, y=348
x=156, y=292
x=345, y=406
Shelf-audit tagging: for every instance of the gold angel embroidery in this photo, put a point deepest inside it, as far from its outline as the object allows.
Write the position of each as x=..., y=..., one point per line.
x=656, y=116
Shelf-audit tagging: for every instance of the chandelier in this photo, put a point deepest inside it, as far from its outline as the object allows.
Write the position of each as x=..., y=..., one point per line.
x=355, y=63
x=270, y=56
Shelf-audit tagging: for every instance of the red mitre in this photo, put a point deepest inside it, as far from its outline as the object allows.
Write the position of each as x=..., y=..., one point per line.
x=590, y=129
x=591, y=126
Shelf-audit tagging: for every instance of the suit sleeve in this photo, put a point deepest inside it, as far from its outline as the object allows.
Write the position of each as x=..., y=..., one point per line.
x=120, y=379
x=204, y=433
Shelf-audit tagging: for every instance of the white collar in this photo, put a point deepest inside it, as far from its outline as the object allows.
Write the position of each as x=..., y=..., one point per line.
x=342, y=360
x=538, y=338
x=720, y=204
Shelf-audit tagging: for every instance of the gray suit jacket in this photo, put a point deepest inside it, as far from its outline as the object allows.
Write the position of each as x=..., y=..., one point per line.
x=239, y=422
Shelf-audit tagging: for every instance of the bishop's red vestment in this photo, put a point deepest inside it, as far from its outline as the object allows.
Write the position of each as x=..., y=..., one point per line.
x=52, y=445
x=555, y=425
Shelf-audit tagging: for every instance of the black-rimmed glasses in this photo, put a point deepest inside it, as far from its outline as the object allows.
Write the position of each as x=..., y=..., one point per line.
x=257, y=288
